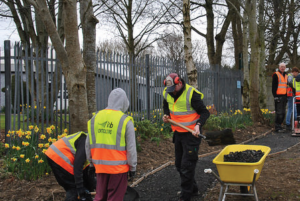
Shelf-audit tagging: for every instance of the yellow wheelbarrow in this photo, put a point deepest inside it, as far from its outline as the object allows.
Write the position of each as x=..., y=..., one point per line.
x=238, y=173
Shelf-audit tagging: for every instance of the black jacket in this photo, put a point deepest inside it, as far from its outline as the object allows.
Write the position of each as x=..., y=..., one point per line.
x=196, y=103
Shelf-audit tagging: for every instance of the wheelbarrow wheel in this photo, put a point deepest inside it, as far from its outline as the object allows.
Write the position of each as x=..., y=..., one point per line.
x=244, y=189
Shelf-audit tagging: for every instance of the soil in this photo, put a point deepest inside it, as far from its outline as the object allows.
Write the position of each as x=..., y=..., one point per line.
x=280, y=179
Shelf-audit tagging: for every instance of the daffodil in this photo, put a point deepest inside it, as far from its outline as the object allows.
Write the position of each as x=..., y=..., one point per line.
x=28, y=136
x=42, y=136
x=36, y=156
x=49, y=130
x=14, y=147
x=27, y=160
x=65, y=130
x=22, y=155
x=28, y=132
x=46, y=173
x=18, y=148
x=47, y=145
x=6, y=145
x=44, y=150
x=30, y=127
x=135, y=129
x=161, y=129
x=8, y=135
x=40, y=145
x=26, y=144
x=49, y=139
x=41, y=161
x=53, y=140
x=52, y=127
x=14, y=159
x=36, y=129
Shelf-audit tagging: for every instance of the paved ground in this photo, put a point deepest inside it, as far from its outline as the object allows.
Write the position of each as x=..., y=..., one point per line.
x=164, y=185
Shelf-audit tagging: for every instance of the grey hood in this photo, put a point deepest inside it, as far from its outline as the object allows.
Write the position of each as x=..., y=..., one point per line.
x=117, y=100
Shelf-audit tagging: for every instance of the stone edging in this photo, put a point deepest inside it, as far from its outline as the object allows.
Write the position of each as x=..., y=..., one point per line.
x=199, y=156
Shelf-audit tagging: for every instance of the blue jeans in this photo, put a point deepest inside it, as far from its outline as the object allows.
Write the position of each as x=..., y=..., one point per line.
x=290, y=110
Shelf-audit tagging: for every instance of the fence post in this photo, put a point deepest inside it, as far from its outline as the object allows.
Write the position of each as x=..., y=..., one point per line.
x=148, y=85
x=7, y=88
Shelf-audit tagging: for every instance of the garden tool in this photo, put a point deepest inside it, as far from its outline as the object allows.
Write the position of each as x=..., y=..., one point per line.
x=213, y=138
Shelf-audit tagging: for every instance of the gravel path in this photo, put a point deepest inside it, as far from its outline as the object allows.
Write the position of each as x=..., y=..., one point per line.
x=164, y=185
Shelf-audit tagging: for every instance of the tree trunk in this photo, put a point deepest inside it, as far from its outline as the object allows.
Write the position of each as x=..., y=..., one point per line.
x=262, y=56
x=246, y=87
x=71, y=60
x=89, y=21
x=188, y=49
x=256, y=113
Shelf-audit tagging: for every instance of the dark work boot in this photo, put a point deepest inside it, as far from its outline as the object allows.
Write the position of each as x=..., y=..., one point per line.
x=288, y=127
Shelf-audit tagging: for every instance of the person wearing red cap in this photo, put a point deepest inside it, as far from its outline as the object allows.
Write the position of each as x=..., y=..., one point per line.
x=183, y=104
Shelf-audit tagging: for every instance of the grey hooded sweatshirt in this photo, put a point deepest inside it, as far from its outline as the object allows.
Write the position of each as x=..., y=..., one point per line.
x=117, y=100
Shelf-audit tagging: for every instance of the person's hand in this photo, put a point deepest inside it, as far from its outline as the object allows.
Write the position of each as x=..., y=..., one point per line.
x=91, y=171
x=196, y=131
x=131, y=175
x=84, y=194
x=165, y=118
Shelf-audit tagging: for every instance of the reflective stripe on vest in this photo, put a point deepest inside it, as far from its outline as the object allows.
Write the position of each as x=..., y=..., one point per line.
x=282, y=84
x=108, y=153
x=62, y=152
x=181, y=110
x=296, y=86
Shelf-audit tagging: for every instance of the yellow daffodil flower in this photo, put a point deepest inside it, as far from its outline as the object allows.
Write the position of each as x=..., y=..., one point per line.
x=135, y=129
x=66, y=130
x=44, y=150
x=49, y=130
x=42, y=136
x=40, y=145
x=41, y=161
x=8, y=135
x=52, y=127
x=36, y=129
x=36, y=156
x=27, y=160
x=14, y=147
x=30, y=127
x=14, y=159
x=18, y=148
x=47, y=145
x=6, y=145
x=161, y=129
x=53, y=140
x=22, y=155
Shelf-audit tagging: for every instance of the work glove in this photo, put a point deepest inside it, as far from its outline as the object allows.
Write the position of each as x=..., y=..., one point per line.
x=131, y=175
x=84, y=194
x=91, y=171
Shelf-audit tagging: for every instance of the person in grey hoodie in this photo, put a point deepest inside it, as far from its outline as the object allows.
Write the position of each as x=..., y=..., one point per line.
x=111, y=147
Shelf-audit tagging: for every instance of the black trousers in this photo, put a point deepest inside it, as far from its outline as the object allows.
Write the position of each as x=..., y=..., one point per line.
x=186, y=157
x=280, y=106
x=67, y=180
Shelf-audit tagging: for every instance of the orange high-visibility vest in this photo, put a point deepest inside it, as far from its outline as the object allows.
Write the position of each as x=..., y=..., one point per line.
x=282, y=84
x=62, y=152
x=181, y=110
x=107, y=141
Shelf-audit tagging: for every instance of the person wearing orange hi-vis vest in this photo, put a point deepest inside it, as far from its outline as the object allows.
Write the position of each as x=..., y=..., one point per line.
x=279, y=91
x=111, y=147
x=67, y=159
x=183, y=104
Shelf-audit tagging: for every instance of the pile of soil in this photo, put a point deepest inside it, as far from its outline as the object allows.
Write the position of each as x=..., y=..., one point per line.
x=284, y=166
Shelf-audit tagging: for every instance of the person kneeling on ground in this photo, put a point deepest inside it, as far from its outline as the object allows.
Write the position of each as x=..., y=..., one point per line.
x=67, y=159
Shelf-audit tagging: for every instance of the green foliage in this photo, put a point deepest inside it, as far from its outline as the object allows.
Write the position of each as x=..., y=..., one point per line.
x=25, y=150
x=236, y=120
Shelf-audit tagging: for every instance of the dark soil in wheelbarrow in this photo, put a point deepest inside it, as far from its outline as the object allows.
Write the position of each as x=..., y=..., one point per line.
x=279, y=180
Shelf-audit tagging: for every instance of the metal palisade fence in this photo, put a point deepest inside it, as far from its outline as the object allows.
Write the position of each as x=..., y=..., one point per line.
x=35, y=92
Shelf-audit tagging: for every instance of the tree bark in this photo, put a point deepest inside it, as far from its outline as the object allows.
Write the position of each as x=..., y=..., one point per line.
x=256, y=113
x=188, y=58
x=89, y=21
x=71, y=60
